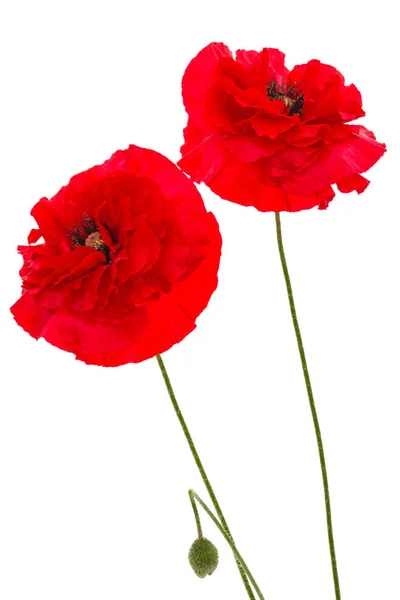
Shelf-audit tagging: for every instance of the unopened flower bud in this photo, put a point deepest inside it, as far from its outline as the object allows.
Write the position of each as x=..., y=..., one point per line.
x=203, y=557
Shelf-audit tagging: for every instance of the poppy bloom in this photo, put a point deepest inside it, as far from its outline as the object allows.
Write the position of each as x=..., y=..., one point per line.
x=261, y=135
x=129, y=260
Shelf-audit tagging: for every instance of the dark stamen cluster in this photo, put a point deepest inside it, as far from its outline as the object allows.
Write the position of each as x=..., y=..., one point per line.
x=87, y=233
x=80, y=232
x=289, y=94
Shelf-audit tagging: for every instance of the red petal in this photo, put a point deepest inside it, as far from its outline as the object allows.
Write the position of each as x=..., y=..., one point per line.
x=242, y=183
x=241, y=76
x=50, y=219
x=29, y=315
x=250, y=148
x=141, y=250
x=326, y=98
x=272, y=128
x=34, y=236
x=199, y=78
x=269, y=63
x=88, y=293
x=339, y=159
x=173, y=317
x=193, y=293
x=202, y=153
x=84, y=337
x=226, y=112
x=352, y=183
x=290, y=160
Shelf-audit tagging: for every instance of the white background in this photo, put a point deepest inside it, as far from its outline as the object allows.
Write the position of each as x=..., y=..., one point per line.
x=94, y=469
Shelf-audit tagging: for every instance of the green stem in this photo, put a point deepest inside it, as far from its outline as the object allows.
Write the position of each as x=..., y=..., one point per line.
x=200, y=467
x=312, y=406
x=238, y=556
x=196, y=515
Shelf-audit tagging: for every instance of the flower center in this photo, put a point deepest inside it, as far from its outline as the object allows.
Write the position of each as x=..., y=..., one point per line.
x=94, y=240
x=87, y=233
x=290, y=95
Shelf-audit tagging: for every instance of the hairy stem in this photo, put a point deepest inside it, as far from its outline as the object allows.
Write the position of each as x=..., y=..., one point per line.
x=193, y=496
x=200, y=467
x=196, y=514
x=312, y=406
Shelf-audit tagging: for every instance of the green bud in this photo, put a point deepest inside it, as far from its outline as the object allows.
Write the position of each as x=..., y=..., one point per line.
x=203, y=557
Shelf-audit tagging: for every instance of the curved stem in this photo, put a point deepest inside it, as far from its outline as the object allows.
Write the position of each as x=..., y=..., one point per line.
x=196, y=515
x=312, y=406
x=200, y=467
x=238, y=556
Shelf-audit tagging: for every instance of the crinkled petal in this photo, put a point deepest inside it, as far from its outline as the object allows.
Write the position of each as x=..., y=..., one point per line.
x=327, y=98
x=50, y=219
x=86, y=297
x=342, y=158
x=173, y=317
x=249, y=148
x=141, y=251
x=204, y=278
x=269, y=63
x=83, y=335
x=273, y=128
x=202, y=153
x=199, y=78
x=353, y=183
x=30, y=315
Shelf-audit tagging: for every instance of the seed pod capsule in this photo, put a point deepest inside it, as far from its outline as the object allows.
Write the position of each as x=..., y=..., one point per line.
x=203, y=557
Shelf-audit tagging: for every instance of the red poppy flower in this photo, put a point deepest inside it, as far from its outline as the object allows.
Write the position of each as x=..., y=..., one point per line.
x=129, y=260
x=261, y=135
